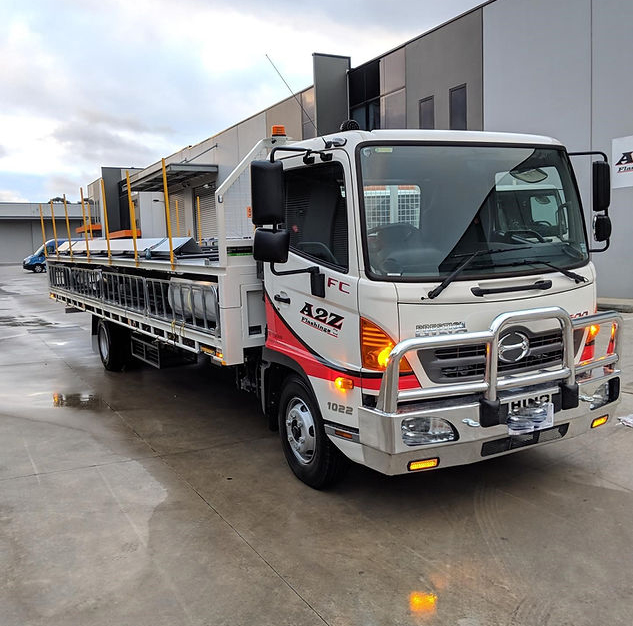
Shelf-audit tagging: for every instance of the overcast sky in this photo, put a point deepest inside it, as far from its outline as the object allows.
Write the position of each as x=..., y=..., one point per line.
x=91, y=83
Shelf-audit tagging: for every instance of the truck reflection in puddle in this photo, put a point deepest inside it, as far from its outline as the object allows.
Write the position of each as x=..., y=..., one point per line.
x=77, y=400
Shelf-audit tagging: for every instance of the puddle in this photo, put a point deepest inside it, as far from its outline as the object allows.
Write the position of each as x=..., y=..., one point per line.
x=78, y=400
x=7, y=320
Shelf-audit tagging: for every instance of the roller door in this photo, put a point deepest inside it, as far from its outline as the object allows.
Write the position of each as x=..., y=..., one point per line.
x=208, y=222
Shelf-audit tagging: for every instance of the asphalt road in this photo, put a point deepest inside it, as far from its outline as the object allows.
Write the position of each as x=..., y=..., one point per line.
x=160, y=498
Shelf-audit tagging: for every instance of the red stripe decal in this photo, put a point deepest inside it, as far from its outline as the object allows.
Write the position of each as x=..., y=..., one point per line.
x=280, y=338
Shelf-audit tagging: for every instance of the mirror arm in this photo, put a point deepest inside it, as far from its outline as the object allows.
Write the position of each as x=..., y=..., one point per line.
x=317, y=279
x=589, y=153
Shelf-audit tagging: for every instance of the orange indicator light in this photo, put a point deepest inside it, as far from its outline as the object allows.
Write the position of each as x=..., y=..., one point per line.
x=594, y=329
x=599, y=421
x=278, y=130
x=424, y=464
x=420, y=602
x=611, y=346
x=343, y=383
x=344, y=434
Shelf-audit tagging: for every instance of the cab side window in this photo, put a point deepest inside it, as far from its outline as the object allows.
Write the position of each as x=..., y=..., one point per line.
x=316, y=213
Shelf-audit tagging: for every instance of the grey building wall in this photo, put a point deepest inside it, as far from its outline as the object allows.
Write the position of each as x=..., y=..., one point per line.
x=20, y=238
x=612, y=117
x=442, y=59
x=287, y=113
x=557, y=68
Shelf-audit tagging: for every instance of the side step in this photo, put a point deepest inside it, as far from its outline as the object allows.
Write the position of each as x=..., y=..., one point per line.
x=159, y=355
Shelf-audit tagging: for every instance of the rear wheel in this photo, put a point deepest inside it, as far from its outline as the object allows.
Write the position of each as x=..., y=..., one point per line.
x=311, y=455
x=114, y=346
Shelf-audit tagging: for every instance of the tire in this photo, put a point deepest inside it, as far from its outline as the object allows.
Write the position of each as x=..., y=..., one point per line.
x=114, y=346
x=38, y=269
x=312, y=457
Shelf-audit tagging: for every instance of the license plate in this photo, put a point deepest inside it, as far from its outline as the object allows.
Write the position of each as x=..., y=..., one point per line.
x=527, y=419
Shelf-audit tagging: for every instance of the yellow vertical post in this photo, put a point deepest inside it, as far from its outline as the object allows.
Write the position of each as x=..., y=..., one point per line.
x=105, y=220
x=54, y=230
x=177, y=220
x=43, y=232
x=89, y=220
x=70, y=243
x=83, y=213
x=199, y=224
x=166, y=193
x=132, y=214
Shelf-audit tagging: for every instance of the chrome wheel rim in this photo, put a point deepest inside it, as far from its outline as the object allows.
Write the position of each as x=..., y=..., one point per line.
x=103, y=343
x=300, y=430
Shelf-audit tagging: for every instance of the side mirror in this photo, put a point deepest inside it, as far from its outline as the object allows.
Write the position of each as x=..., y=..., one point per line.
x=601, y=183
x=267, y=192
x=602, y=227
x=271, y=246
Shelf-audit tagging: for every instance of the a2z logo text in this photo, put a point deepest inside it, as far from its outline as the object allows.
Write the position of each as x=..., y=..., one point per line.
x=321, y=319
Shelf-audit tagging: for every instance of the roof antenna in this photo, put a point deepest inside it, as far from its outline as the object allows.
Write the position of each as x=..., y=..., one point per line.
x=293, y=95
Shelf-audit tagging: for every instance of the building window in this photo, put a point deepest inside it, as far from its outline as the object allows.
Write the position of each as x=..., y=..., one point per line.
x=457, y=108
x=393, y=110
x=364, y=95
x=308, y=114
x=427, y=113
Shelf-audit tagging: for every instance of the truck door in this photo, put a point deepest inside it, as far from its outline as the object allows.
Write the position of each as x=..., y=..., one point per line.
x=318, y=333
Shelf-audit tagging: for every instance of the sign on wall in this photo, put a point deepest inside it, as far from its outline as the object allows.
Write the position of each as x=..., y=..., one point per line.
x=622, y=162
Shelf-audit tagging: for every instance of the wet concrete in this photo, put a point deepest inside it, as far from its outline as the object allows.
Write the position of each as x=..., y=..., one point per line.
x=160, y=498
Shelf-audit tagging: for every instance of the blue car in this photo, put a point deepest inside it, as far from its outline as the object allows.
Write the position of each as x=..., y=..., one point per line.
x=37, y=261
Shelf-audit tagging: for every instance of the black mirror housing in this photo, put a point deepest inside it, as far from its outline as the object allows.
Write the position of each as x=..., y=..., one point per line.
x=267, y=192
x=271, y=246
x=601, y=183
x=602, y=227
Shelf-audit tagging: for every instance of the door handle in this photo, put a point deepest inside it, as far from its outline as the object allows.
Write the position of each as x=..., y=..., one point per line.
x=284, y=299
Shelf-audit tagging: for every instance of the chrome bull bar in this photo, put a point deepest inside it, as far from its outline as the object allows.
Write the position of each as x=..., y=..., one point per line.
x=389, y=395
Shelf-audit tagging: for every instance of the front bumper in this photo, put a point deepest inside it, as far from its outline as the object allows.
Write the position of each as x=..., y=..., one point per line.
x=478, y=411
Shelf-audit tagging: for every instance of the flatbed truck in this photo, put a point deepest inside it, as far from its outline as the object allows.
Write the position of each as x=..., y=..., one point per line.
x=402, y=299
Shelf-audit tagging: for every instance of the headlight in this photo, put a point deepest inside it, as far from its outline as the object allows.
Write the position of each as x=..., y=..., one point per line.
x=418, y=431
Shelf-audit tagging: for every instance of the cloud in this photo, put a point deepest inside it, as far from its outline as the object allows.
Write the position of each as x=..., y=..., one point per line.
x=86, y=83
x=10, y=195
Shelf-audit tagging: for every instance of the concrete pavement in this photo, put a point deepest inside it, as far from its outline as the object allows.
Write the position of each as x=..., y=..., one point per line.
x=160, y=498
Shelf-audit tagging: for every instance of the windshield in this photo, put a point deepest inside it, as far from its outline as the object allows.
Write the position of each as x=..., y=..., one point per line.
x=426, y=207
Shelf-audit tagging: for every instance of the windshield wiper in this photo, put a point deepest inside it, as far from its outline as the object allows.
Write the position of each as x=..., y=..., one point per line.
x=575, y=277
x=460, y=268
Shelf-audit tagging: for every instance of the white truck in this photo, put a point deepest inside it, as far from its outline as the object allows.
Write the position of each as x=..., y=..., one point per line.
x=408, y=299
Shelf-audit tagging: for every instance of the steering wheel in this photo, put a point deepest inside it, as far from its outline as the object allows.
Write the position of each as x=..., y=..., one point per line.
x=393, y=235
x=317, y=249
x=509, y=234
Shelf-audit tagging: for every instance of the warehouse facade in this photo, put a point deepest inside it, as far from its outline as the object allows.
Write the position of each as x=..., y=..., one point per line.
x=21, y=227
x=548, y=67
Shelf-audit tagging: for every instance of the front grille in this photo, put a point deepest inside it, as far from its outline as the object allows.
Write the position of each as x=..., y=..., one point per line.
x=522, y=441
x=468, y=363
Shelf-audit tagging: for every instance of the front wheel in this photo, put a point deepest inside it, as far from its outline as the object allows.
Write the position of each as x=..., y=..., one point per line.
x=311, y=455
x=38, y=269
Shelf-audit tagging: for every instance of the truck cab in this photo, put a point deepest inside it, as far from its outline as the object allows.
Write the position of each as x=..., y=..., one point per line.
x=433, y=293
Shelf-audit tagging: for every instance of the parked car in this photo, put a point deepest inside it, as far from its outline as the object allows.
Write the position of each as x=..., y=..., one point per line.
x=36, y=262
